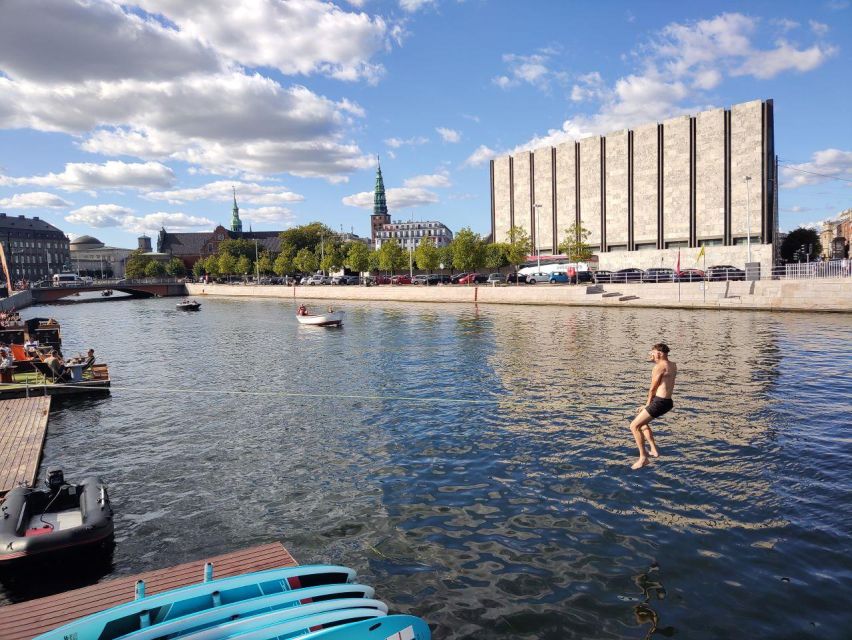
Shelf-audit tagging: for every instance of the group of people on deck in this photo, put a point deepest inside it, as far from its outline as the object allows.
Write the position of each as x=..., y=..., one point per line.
x=59, y=367
x=10, y=318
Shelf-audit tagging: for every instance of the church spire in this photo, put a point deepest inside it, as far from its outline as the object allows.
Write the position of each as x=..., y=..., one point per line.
x=380, y=206
x=236, y=223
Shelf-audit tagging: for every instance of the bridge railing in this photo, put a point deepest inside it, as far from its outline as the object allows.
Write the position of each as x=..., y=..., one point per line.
x=107, y=282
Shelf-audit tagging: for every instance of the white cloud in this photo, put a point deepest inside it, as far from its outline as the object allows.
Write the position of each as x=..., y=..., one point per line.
x=84, y=176
x=481, y=155
x=784, y=57
x=785, y=24
x=102, y=216
x=267, y=215
x=34, y=200
x=530, y=69
x=396, y=143
x=412, y=6
x=398, y=198
x=589, y=86
x=435, y=180
x=819, y=28
x=448, y=135
x=296, y=37
x=65, y=41
x=823, y=167
x=222, y=191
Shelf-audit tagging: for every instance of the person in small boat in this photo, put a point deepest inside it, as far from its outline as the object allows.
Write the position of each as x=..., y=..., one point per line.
x=302, y=311
x=331, y=309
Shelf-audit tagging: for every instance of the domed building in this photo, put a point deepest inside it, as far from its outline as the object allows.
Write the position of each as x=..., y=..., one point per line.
x=91, y=257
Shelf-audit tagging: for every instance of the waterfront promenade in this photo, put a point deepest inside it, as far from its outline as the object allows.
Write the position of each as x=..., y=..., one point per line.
x=833, y=294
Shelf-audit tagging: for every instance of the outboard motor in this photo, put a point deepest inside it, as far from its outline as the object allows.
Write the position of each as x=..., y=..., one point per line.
x=55, y=479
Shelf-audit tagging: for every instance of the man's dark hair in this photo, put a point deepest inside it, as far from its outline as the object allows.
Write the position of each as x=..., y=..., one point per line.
x=661, y=346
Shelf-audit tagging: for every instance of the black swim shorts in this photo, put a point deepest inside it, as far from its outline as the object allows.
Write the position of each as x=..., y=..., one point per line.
x=659, y=406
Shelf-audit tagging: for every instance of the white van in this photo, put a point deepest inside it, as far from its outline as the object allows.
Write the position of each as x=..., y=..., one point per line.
x=66, y=280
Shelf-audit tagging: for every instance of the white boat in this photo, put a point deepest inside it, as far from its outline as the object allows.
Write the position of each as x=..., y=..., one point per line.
x=331, y=319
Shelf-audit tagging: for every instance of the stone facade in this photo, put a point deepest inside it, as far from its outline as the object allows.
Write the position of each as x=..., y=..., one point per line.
x=679, y=184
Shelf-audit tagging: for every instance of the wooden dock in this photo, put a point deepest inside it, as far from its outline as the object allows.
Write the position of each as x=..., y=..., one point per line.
x=23, y=425
x=25, y=620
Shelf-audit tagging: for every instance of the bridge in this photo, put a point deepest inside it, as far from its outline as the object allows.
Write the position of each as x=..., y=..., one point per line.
x=142, y=288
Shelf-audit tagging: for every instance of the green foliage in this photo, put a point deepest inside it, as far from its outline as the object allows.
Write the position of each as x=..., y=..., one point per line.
x=391, y=256
x=155, y=269
x=792, y=245
x=306, y=261
x=358, y=257
x=333, y=258
x=175, y=268
x=308, y=236
x=284, y=260
x=496, y=255
x=237, y=248
x=211, y=266
x=136, y=263
x=373, y=261
x=467, y=250
x=244, y=265
x=574, y=245
x=519, y=246
x=227, y=264
x=427, y=255
x=265, y=264
x=445, y=254
x=198, y=268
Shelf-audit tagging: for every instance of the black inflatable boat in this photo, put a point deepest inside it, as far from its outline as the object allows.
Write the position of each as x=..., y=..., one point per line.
x=63, y=516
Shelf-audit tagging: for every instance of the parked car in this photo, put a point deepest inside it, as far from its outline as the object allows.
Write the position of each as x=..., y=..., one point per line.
x=584, y=276
x=631, y=274
x=380, y=279
x=659, y=274
x=495, y=278
x=437, y=278
x=454, y=279
x=420, y=278
x=516, y=277
x=690, y=275
x=558, y=277
x=534, y=278
x=602, y=277
x=474, y=278
x=316, y=279
x=725, y=272
x=401, y=279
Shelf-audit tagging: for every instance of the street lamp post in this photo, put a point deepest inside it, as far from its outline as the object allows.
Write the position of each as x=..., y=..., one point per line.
x=256, y=266
x=537, y=207
x=747, y=180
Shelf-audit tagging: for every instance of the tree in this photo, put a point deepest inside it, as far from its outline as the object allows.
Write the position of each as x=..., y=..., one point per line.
x=495, y=255
x=175, y=268
x=373, y=261
x=308, y=236
x=284, y=261
x=136, y=263
x=306, y=261
x=333, y=258
x=791, y=247
x=358, y=257
x=518, y=248
x=427, y=255
x=155, y=269
x=467, y=250
x=211, y=266
x=227, y=264
x=265, y=264
x=237, y=248
x=244, y=265
x=391, y=256
x=574, y=245
x=445, y=254
x=198, y=268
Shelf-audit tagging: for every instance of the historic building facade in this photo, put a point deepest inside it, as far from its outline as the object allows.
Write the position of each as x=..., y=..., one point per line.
x=835, y=236
x=91, y=257
x=34, y=249
x=646, y=194
x=407, y=234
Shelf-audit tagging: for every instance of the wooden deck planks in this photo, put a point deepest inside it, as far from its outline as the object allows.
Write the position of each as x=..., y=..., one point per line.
x=25, y=620
x=23, y=426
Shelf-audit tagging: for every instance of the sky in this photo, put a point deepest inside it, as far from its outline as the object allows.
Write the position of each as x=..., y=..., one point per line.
x=117, y=118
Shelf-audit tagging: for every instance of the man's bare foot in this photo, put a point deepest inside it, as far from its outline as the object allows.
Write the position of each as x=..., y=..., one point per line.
x=654, y=453
x=641, y=462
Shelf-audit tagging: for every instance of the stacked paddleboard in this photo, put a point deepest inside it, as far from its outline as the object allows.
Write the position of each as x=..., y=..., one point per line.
x=313, y=602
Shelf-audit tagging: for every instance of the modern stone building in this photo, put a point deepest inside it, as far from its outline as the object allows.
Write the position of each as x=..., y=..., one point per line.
x=91, y=257
x=34, y=248
x=707, y=180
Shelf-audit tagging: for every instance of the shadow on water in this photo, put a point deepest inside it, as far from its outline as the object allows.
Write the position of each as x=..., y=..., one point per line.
x=500, y=505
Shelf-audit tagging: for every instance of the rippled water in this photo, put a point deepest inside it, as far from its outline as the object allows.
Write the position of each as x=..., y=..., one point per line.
x=514, y=517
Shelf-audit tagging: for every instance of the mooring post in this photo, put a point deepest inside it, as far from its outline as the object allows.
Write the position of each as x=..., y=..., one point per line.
x=140, y=589
x=208, y=571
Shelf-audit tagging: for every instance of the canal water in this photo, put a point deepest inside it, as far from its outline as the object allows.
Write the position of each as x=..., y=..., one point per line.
x=473, y=464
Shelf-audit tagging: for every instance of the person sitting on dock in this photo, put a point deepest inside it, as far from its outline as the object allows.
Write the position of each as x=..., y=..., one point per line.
x=6, y=359
x=31, y=346
x=57, y=366
x=89, y=359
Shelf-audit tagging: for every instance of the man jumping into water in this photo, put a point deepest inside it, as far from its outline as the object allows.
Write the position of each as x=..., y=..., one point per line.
x=659, y=402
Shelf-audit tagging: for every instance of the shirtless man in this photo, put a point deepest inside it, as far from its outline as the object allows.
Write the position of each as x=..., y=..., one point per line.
x=659, y=402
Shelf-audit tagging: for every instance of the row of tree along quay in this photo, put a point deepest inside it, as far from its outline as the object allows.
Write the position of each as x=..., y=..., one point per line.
x=315, y=247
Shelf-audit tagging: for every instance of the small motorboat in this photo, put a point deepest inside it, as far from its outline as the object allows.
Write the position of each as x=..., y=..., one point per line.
x=107, y=293
x=63, y=516
x=188, y=305
x=329, y=319
x=313, y=601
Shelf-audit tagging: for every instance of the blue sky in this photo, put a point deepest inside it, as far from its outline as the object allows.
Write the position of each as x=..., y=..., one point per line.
x=117, y=118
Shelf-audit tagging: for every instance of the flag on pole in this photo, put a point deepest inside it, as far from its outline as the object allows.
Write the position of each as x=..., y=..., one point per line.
x=677, y=267
x=700, y=255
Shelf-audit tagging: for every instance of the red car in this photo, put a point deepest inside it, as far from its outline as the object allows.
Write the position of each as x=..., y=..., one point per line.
x=401, y=280
x=381, y=280
x=473, y=278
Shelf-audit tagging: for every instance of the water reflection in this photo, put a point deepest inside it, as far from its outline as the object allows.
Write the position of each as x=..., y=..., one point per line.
x=517, y=517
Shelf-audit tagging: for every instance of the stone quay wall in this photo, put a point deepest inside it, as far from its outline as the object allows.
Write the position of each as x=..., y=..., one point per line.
x=766, y=295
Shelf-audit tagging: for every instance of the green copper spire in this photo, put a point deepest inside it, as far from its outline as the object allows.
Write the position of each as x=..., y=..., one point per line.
x=380, y=205
x=236, y=223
